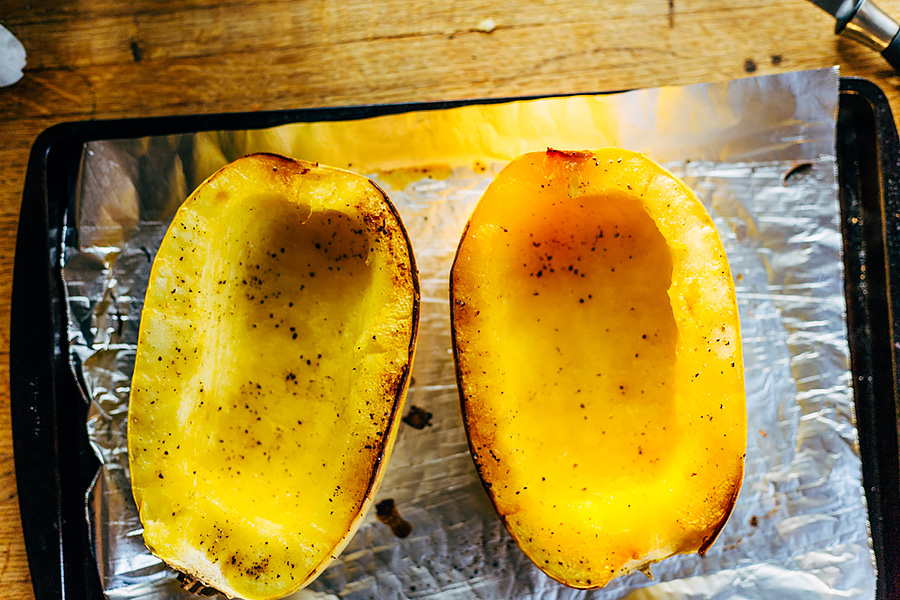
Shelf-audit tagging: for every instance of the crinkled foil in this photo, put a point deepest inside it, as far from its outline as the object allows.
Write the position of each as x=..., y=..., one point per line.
x=799, y=529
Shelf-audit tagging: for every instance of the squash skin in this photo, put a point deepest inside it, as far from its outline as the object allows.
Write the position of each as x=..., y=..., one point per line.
x=253, y=465
x=598, y=359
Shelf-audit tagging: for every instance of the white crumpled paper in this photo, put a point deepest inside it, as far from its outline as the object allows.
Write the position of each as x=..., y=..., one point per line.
x=12, y=57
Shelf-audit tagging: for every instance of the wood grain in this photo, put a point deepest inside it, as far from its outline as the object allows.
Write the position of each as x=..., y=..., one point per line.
x=335, y=64
x=99, y=59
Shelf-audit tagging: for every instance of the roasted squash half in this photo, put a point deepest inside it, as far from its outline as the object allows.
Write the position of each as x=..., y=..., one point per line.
x=275, y=347
x=598, y=357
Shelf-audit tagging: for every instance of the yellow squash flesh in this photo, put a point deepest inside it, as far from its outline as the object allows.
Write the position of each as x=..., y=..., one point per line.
x=275, y=346
x=598, y=358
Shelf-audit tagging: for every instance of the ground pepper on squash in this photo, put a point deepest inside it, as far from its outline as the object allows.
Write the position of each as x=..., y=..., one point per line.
x=275, y=347
x=598, y=359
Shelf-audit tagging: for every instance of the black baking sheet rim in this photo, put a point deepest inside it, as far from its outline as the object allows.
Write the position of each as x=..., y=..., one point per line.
x=55, y=464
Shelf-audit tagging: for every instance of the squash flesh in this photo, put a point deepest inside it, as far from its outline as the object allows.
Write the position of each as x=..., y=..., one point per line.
x=598, y=359
x=275, y=346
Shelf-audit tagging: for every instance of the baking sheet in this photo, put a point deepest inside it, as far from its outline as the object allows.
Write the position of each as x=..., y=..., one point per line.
x=799, y=528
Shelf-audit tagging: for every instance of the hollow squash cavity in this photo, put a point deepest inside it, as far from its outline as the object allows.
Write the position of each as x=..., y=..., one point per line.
x=275, y=345
x=598, y=359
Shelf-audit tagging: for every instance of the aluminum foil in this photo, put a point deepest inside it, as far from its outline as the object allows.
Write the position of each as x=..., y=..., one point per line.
x=799, y=529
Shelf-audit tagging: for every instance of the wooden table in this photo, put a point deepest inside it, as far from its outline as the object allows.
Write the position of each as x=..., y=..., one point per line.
x=98, y=59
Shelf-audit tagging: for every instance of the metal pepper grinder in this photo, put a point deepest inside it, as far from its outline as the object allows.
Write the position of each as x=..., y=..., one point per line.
x=864, y=21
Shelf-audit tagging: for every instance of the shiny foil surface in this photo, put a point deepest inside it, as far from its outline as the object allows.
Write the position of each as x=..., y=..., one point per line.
x=759, y=153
